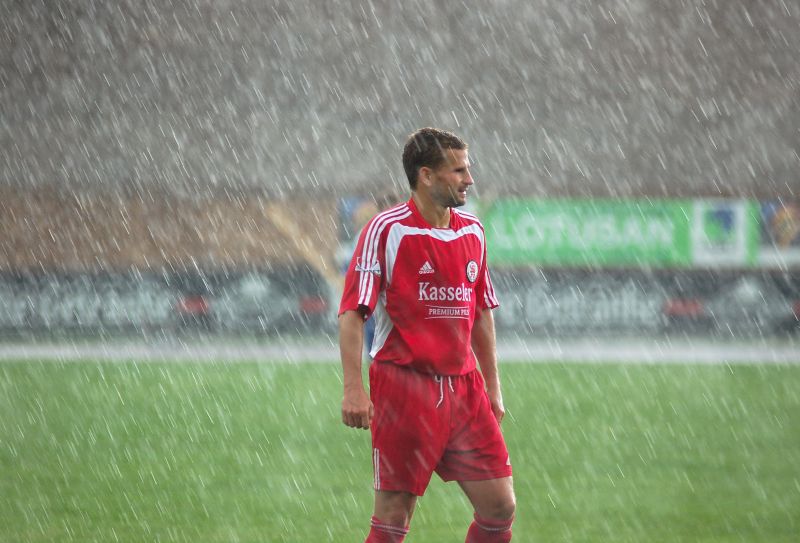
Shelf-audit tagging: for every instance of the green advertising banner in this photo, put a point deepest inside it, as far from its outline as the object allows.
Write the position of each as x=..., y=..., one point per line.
x=724, y=232
x=575, y=232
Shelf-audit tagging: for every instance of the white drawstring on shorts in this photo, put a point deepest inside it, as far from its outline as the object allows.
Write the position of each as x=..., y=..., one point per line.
x=439, y=379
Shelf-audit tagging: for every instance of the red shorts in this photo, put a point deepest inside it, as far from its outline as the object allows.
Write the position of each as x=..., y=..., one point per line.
x=425, y=423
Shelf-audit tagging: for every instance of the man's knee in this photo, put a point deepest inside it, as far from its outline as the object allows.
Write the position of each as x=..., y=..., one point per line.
x=493, y=499
x=500, y=506
x=503, y=508
x=394, y=508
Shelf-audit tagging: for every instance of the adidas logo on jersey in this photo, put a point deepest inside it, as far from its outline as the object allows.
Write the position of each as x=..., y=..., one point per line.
x=426, y=268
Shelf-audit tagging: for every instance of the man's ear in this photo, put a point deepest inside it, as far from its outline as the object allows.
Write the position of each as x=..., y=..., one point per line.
x=424, y=176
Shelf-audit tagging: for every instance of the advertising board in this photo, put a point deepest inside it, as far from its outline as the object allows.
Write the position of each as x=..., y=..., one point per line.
x=575, y=232
x=643, y=233
x=724, y=233
x=779, y=233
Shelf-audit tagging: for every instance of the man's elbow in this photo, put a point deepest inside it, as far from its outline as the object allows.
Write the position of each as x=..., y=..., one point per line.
x=351, y=317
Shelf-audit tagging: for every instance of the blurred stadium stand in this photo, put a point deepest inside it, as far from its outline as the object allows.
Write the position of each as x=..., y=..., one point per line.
x=612, y=98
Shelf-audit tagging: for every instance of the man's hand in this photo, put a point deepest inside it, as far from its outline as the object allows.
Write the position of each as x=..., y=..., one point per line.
x=499, y=410
x=357, y=409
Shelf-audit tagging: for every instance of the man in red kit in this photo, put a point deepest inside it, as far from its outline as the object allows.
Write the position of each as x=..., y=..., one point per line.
x=420, y=270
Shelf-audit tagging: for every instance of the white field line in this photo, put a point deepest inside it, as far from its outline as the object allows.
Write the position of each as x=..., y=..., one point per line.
x=653, y=351
x=326, y=350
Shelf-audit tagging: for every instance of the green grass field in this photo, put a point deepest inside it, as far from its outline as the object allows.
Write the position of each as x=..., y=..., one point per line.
x=246, y=452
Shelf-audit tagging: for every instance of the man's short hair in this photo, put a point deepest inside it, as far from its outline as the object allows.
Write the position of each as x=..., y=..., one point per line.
x=426, y=147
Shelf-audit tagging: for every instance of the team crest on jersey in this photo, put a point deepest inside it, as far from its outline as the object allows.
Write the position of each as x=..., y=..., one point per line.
x=472, y=271
x=373, y=267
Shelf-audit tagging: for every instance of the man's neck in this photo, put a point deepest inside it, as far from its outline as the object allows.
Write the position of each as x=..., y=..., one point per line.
x=434, y=214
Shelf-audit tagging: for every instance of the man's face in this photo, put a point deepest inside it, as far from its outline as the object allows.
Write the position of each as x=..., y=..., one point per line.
x=451, y=181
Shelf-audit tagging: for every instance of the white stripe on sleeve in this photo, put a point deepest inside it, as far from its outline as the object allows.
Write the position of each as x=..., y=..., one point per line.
x=369, y=253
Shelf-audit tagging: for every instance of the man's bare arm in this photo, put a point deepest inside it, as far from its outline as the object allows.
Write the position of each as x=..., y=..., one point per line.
x=357, y=408
x=484, y=345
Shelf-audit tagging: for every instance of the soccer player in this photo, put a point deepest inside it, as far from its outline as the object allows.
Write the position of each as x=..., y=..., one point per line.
x=420, y=269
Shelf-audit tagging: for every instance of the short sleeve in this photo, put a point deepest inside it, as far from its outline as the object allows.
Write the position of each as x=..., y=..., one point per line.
x=365, y=274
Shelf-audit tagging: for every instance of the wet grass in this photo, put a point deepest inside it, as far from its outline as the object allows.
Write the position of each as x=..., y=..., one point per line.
x=102, y=452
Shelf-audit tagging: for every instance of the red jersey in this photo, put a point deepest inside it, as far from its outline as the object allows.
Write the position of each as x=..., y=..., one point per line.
x=423, y=285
